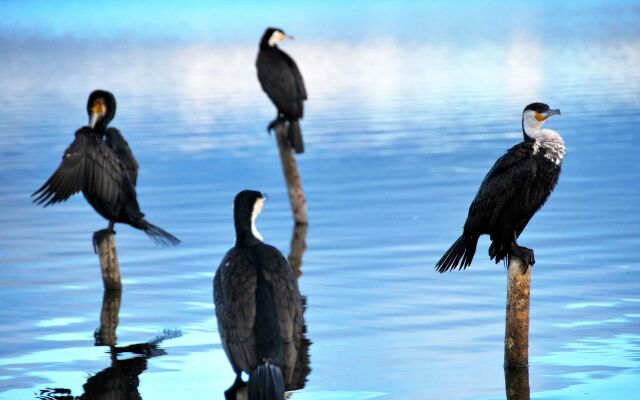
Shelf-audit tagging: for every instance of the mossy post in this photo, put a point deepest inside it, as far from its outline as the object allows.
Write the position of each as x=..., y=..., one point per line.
x=516, y=338
x=105, y=245
x=291, y=175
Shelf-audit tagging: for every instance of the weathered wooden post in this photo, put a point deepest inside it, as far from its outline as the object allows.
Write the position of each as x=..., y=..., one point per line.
x=298, y=246
x=516, y=382
x=105, y=243
x=109, y=318
x=291, y=175
x=516, y=338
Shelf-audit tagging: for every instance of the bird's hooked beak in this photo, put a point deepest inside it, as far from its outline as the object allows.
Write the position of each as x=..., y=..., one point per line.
x=544, y=115
x=265, y=196
x=98, y=110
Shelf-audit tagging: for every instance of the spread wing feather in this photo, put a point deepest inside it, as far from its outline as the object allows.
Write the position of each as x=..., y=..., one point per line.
x=87, y=165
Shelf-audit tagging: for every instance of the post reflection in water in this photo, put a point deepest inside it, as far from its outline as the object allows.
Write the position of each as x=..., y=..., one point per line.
x=105, y=335
x=121, y=379
x=298, y=247
x=516, y=382
x=238, y=391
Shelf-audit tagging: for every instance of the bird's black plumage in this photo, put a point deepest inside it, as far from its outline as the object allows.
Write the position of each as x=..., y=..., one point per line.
x=282, y=81
x=515, y=188
x=258, y=308
x=100, y=164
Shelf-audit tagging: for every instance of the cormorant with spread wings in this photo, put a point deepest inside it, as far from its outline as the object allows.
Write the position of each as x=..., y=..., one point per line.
x=100, y=164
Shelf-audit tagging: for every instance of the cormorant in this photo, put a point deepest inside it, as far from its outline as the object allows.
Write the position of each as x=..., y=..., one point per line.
x=515, y=188
x=282, y=82
x=100, y=163
x=258, y=307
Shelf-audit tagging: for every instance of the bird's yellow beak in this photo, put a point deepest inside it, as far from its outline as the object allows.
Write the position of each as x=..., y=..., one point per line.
x=97, y=111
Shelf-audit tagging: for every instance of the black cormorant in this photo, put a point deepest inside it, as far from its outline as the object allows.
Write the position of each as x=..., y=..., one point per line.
x=100, y=163
x=282, y=82
x=515, y=188
x=258, y=307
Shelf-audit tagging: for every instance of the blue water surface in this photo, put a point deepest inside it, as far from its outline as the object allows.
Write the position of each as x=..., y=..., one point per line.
x=410, y=103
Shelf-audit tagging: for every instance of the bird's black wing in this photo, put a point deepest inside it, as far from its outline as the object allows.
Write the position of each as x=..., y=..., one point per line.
x=505, y=189
x=288, y=303
x=234, y=294
x=282, y=83
x=87, y=164
x=300, y=88
x=120, y=147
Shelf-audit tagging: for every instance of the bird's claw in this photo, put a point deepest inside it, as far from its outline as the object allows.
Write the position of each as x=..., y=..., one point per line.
x=525, y=255
x=272, y=125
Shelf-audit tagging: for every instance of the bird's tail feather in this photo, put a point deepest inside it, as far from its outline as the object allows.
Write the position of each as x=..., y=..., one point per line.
x=459, y=255
x=266, y=382
x=295, y=136
x=498, y=251
x=157, y=234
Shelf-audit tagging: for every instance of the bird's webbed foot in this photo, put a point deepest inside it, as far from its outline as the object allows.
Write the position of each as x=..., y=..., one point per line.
x=525, y=255
x=99, y=236
x=272, y=125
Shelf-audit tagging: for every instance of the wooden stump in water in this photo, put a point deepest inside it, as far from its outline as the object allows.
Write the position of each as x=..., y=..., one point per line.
x=516, y=382
x=109, y=318
x=516, y=338
x=291, y=175
x=105, y=243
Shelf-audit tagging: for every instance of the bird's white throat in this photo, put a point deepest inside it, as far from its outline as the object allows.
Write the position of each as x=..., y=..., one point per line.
x=276, y=37
x=551, y=143
x=257, y=208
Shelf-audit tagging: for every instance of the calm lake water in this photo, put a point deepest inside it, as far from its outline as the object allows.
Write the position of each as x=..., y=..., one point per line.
x=409, y=107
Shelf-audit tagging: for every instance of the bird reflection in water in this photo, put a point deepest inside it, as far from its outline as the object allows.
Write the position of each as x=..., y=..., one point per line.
x=260, y=311
x=121, y=379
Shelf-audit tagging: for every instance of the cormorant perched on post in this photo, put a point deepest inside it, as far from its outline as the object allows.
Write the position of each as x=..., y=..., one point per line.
x=258, y=307
x=282, y=82
x=100, y=163
x=512, y=192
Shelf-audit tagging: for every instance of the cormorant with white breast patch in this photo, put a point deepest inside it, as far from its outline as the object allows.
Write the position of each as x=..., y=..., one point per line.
x=282, y=82
x=512, y=192
x=99, y=162
x=258, y=307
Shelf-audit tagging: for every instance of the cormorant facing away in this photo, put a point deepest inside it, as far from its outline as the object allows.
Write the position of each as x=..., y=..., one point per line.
x=515, y=188
x=100, y=163
x=282, y=82
x=258, y=307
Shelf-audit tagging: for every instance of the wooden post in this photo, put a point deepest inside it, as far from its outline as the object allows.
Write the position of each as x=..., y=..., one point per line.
x=109, y=318
x=291, y=175
x=516, y=338
x=105, y=243
x=298, y=246
x=516, y=382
